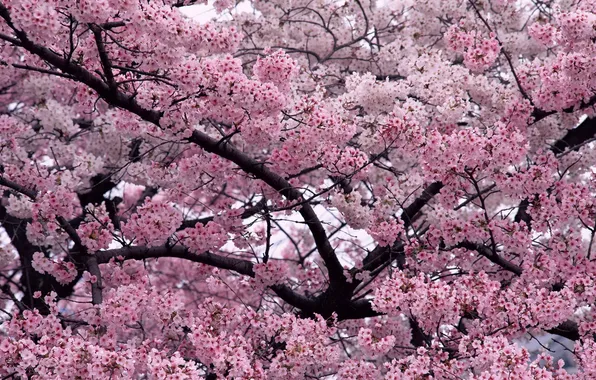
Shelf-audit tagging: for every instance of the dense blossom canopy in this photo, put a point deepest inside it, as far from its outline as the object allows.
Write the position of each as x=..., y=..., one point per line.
x=297, y=189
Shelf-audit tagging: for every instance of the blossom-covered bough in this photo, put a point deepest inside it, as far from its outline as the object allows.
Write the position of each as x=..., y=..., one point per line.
x=297, y=189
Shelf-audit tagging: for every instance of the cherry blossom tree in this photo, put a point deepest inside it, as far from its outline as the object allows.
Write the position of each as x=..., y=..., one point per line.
x=297, y=189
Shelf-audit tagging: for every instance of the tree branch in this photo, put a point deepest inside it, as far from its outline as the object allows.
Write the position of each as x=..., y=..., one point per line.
x=567, y=329
x=240, y=266
x=492, y=256
x=140, y=253
x=573, y=140
x=90, y=260
x=539, y=114
x=414, y=208
x=246, y=214
x=103, y=56
x=575, y=137
x=18, y=188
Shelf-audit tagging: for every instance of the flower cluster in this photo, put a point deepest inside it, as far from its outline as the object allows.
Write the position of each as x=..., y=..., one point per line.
x=153, y=223
x=201, y=238
x=277, y=68
x=64, y=272
x=96, y=231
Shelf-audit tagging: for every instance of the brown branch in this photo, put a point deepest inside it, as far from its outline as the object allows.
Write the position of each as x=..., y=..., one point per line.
x=140, y=252
x=40, y=70
x=112, y=25
x=81, y=74
x=6, y=290
x=414, y=208
x=18, y=188
x=10, y=39
x=522, y=214
x=103, y=56
x=539, y=114
x=492, y=256
x=90, y=260
x=567, y=329
x=244, y=267
x=246, y=214
x=96, y=287
x=574, y=138
x=30, y=280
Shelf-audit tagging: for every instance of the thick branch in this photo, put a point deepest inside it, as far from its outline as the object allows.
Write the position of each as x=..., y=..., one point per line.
x=90, y=260
x=103, y=56
x=81, y=74
x=567, y=329
x=18, y=188
x=140, y=252
x=30, y=280
x=96, y=286
x=414, y=208
x=573, y=140
x=492, y=256
x=522, y=214
x=244, y=267
x=539, y=114
x=576, y=137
